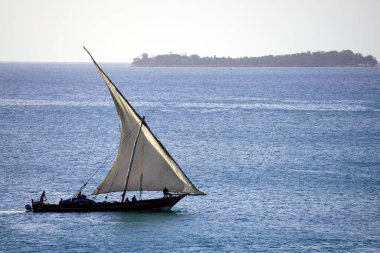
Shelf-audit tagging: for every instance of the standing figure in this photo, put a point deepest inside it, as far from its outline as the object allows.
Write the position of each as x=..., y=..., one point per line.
x=43, y=197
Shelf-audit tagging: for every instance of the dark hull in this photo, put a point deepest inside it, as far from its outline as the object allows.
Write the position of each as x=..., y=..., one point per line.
x=140, y=205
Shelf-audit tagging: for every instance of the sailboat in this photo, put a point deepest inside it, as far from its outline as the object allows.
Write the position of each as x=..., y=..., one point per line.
x=142, y=164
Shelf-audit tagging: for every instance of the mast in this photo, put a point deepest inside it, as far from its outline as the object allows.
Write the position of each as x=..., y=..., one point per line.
x=131, y=161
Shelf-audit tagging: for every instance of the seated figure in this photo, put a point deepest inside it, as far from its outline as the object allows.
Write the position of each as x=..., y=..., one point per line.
x=166, y=192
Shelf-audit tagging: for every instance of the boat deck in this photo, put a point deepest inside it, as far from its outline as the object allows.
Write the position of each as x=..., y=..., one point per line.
x=165, y=203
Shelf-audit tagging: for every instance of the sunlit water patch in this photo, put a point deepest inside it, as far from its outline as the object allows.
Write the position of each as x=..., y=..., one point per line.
x=38, y=102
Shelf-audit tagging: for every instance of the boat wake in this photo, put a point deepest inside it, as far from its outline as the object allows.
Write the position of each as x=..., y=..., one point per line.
x=6, y=212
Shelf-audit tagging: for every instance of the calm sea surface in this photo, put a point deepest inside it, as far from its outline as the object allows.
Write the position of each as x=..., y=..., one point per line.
x=289, y=157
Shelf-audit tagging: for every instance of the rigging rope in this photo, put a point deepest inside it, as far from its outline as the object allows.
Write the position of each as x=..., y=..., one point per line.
x=96, y=171
x=91, y=149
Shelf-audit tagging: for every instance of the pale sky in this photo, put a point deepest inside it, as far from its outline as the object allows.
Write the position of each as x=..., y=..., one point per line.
x=119, y=30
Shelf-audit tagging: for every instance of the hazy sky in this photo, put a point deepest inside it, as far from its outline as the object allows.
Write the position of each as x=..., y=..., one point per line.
x=50, y=30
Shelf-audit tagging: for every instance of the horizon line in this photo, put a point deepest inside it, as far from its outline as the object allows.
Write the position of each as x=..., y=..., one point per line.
x=69, y=62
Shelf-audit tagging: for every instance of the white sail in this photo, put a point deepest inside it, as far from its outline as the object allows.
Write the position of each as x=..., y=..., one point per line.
x=153, y=168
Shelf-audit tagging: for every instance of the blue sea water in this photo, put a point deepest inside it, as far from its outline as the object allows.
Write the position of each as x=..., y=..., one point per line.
x=289, y=157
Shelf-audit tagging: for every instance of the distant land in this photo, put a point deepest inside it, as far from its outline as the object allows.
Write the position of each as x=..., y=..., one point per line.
x=345, y=58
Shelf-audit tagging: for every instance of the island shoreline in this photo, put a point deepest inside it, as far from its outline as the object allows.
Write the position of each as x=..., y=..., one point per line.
x=345, y=58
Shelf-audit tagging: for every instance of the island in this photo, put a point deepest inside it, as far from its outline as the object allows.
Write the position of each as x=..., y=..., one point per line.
x=345, y=58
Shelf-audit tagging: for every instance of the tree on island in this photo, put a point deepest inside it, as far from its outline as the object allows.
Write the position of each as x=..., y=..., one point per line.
x=345, y=58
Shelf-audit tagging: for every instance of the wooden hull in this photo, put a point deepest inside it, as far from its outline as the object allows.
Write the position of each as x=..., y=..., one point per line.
x=140, y=205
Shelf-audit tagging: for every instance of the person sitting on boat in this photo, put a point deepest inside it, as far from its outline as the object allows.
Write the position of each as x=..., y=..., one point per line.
x=43, y=197
x=166, y=192
x=134, y=198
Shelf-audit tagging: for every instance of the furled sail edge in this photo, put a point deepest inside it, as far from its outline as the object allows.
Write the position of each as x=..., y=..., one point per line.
x=144, y=124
